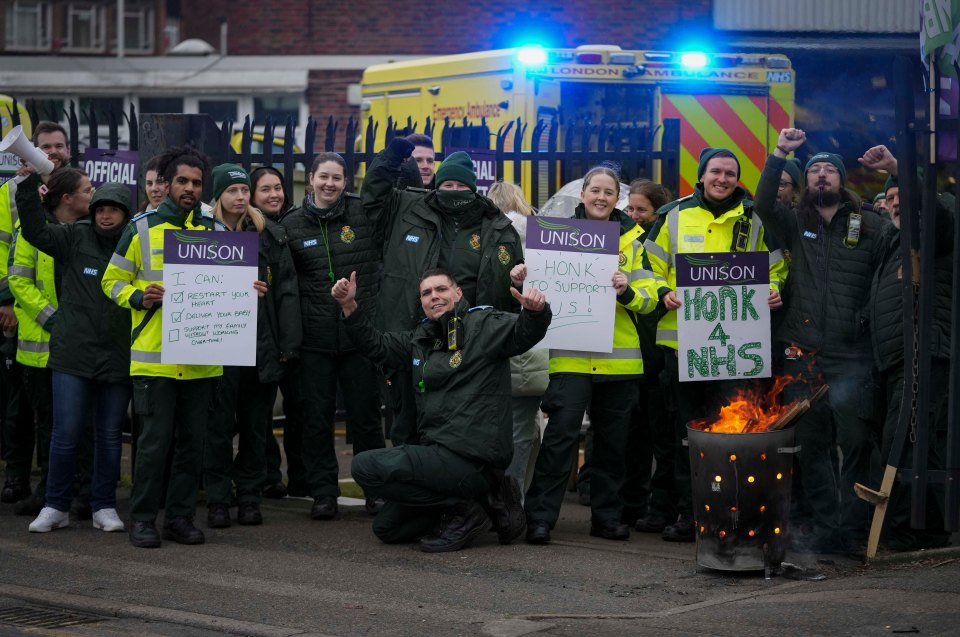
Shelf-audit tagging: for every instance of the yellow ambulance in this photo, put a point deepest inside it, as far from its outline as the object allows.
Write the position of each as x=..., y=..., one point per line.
x=734, y=100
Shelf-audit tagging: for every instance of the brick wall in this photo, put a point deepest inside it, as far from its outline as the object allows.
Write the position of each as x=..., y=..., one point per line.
x=304, y=27
x=327, y=95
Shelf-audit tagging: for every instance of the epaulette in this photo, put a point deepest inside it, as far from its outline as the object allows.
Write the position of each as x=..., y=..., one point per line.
x=351, y=195
x=417, y=190
x=480, y=307
x=143, y=214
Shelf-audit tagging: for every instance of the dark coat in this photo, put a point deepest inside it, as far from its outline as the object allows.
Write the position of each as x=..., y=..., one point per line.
x=326, y=248
x=409, y=225
x=279, y=330
x=91, y=333
x=463, y=400
x=829, y=281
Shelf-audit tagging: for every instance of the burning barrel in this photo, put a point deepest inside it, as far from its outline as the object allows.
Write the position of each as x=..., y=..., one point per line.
x=741, y=496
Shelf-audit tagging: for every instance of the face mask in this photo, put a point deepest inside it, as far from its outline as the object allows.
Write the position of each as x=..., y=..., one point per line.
x=455, y=199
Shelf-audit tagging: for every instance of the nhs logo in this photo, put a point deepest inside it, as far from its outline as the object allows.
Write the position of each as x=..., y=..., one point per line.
x=779, y=77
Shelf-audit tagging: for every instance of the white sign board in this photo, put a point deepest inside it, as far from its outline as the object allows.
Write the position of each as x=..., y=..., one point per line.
x=572, y=262
x=209, y=303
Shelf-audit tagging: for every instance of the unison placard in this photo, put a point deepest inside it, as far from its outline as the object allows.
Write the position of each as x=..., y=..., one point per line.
x=723, y=326
x=572, y=262
x=209, y=304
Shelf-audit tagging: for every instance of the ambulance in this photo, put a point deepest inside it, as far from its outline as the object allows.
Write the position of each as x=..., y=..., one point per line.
x=734, y=100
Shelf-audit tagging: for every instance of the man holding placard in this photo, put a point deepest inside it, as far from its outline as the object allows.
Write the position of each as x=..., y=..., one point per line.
x=173, y=399
x=717, y=218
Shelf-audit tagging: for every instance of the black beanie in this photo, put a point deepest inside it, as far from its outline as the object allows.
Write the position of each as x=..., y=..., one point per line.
x=709, y=153
x=457, y=167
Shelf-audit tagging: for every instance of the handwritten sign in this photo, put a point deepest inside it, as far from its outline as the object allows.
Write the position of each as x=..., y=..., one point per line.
x=572, y=262
x=723, y=326
x=209, y=305
x=484, y=164
x=103, y=165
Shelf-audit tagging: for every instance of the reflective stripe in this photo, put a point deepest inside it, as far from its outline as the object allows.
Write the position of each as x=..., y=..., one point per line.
x=45, y=314
x=656, y=250
x=776, y=257
x=146, y=273
x=33, y=347
x=149, y=275
x=22, y=270
x=646, y=299
x=141, y=356
x=6, y=236
x=667, y=335
x=755, y=225
x=673, y=227
x=640, y=273
x=618, y=353
x=116, y=290
x=122, y=262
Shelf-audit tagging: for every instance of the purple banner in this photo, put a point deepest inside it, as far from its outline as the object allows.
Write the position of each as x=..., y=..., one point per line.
x=198, y=247
x=573, y=235
x=713, y=269
x=120, y=166
x=484, y=163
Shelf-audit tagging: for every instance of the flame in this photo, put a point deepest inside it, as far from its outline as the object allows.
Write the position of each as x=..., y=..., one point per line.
x=750, y=410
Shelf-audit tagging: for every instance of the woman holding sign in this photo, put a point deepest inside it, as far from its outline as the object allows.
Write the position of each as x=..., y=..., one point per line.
x=89, y=346
x=605, y=384
x=246, y=394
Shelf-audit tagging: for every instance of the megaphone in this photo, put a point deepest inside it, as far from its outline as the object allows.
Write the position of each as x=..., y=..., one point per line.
x=17, y=143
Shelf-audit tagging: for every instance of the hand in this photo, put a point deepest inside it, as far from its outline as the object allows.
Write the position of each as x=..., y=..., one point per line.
x=152, y=295
x=879, y=158
x=518, y=274
x=261, y=288
x=774, y=302
x=401, y=147
x=25, y=169
x=620, y=282
x=344, y=292
x=790, y=139
x=670, y=300
x=8, y=319
x=532, y=299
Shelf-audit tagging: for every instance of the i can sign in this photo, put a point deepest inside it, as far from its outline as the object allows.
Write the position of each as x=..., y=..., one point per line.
x=723, y=326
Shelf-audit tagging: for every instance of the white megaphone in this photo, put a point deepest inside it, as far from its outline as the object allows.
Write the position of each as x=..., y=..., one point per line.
x=17, y=143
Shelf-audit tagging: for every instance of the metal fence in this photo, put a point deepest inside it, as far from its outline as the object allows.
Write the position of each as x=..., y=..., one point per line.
x=556, y=153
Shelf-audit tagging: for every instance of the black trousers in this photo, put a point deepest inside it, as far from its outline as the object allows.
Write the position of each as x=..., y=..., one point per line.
x=292, y=431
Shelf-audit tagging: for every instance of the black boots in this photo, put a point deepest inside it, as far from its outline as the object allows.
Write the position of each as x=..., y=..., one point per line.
x=459, y=526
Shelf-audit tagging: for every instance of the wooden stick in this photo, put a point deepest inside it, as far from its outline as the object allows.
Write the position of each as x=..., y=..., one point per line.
x=820, y=393
x=795, y=411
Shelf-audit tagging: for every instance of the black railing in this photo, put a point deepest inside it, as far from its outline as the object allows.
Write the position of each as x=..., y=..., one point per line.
x=550, y=162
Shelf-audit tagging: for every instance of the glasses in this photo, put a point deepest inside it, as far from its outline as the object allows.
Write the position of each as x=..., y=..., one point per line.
x=786, y=184
x=826, y=169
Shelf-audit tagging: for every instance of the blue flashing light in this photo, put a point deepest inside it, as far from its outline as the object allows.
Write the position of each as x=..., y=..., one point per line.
x=694, y=60
x=532, y=55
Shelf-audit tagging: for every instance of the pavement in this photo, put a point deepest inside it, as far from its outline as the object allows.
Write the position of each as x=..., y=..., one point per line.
x=297, y=577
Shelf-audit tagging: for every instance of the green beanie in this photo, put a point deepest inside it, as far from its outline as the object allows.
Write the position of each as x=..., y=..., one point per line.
x=793, y=169
x=457, y=167
x=830, y=158
x=891, y=183
x=881, y=196
x=111, y=193
x=225, y=175
x=709, y=153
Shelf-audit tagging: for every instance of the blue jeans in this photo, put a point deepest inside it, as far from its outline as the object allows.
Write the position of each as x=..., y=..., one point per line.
x=75, y=400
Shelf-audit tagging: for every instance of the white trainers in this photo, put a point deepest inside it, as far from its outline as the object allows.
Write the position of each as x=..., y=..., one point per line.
x=50, y=519
x=107, y=520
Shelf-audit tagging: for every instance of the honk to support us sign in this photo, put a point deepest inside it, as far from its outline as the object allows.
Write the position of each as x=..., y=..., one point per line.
x=209, y=303
x=723, y=326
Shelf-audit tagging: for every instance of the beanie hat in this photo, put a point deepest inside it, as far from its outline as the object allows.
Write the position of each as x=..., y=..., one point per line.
x=881, y=196
x=890, y=183
x=709, y=153
x=225, y=175
x=830, y=158
x=111, y=194
x=457, y=167
x=793, y=169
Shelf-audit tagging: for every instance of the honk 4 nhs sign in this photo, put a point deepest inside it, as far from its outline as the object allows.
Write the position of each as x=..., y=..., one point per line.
x=723, y=326
x=572, y=262
x=209, y=304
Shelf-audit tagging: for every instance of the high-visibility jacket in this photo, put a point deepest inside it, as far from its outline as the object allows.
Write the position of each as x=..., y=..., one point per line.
x=8, y=213
x=31, y=276
x=137, y=263
x=640, y=298
x=688, y=225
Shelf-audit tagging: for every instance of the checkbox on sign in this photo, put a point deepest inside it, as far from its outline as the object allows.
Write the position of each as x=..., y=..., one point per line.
x=176, y=316
x=176, y=297
x=173, y=336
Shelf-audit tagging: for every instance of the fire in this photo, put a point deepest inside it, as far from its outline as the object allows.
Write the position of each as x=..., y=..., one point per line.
x=750, y=410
